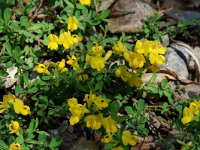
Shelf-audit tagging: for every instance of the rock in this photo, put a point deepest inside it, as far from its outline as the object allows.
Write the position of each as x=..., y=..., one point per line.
x=176, y=63
x=128, y=15
x=84, y=144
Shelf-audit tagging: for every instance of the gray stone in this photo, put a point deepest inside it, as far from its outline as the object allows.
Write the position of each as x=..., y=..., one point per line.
x=176, y=63
x=128, y=15
x=84, y=144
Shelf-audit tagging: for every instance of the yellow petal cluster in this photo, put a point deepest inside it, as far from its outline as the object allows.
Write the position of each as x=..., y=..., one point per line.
x=9, y=98
x=128, y=138
x=60, y=66
x=53, y=42
x=130, y=77
x=190, y=112
x=85, y=2
x=152, y=50
x=94, y=121
x=77, y=110
x=83, y=77
x=18, y=105
x=72, y=23
x=96, y=60
x=20, y=108
x=14, y=127
x=41, y=68
x=98, y=101
x=119, y=48
x=15, y=146
x=73, y=61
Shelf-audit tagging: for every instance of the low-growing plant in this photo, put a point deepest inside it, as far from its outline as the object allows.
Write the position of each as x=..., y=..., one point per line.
x=67, y=67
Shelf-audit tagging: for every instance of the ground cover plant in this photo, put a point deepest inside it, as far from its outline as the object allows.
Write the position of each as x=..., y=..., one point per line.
x=59, y=62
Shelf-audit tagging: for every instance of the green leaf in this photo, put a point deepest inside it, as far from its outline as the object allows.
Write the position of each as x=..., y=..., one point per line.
x=153, y=90
x=152, y=79
x=69, y=3
x=35, y=27
x=179, y=108
x=55, y=142
x=3, y=145
x=98, y=86
x=24, y=21
x=104, y=14
x=19, y=90
x=46, y=78
x=8, y=48
x=164, y=84
x=168, y=93
x=33, y=90
x=7, y=14
x=141, y=105
x=129, y=110
x=3, y=73
x=114, y=109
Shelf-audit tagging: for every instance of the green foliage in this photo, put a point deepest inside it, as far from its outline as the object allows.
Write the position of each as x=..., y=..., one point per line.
x=70, y=73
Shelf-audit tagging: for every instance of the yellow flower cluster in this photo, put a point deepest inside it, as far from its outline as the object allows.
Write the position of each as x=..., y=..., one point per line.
x=190, y=112
x=60, y=65
x=128, y=138
x=94, y=120
x=126, y=76
x=151, y=50
x=96, y=60
x=18, y=105
x=144, y=50
x=85, y=2
x=66, y=39
x=15, y=146
x=98, y=101
x=14, y=127
x=77, y=110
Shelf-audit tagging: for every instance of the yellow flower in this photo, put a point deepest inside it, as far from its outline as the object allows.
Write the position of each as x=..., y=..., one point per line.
x=89, y=98
x=101, y=102
x=25, y=110
x=77, y=110
x=119, y=48
x=154, y=68
x=187, y=115
x=66, y=40
x=15, y=146
x=110, y=125
x=127, y=138
x=97, y=50
x=97, y=62
x=73, y=61
x=93, y=122
x=156, y=59
x=134, y=80
x=61, y=66
x=123, y=73
x=74, y=120
x=72, y=23
x=53, y=42
x=20, y=108
x=83, y=77
x=135, y=60
x=14, y=127
x=194, y=107
x=76, y=38
x=107, y=56
x=117, y=148
x=85, y=2
x=41, y=68
x=9, y=98
x=107, y=138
